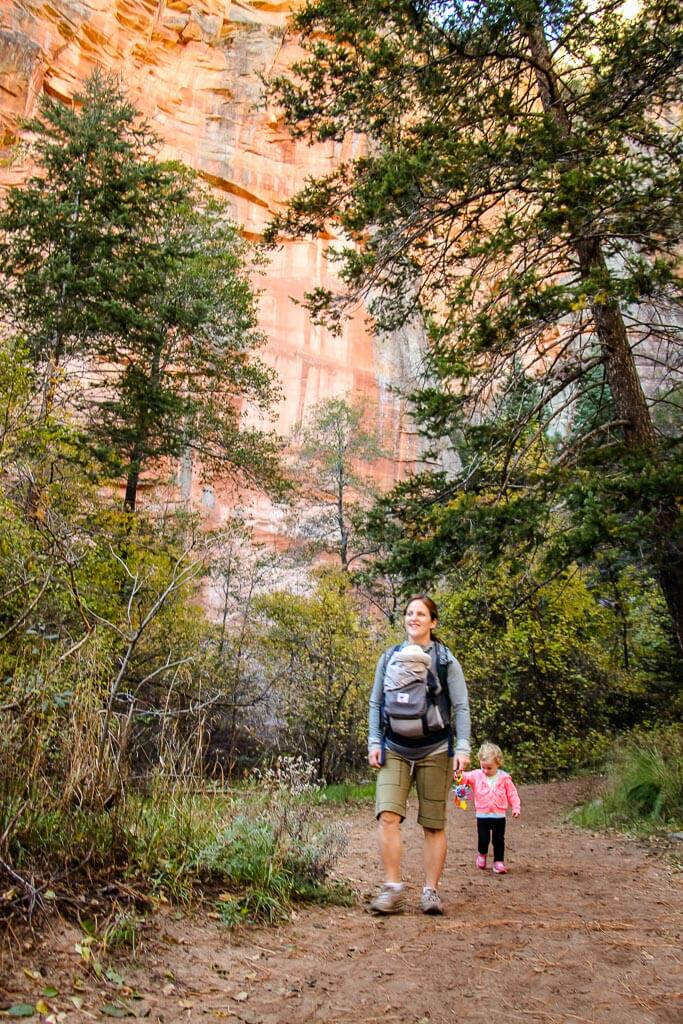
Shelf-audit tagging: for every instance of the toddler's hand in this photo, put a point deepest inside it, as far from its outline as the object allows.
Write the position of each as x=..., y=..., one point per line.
x=516, y=814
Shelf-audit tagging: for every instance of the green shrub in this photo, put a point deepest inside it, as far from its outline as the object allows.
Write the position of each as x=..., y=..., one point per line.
x=323, y=684
x=554, y=675
x=643, y=791
x=245, y=857
x=553, y=757
x=276, y=850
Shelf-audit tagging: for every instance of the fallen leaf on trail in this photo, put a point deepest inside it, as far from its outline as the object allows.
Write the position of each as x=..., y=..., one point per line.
x=33, y=975
x=168, y=989
x=114, y=976
x=50, y=992
x=42, y=1008
x=78, y=983
x=214, y=916
x=113, y=1010
x=21, y=1010
x=77, y=1001
x=186, y=1004
x=241, y=997
x=224, y=897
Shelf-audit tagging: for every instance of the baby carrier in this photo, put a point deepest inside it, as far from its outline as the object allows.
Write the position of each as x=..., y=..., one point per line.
x=415, y=710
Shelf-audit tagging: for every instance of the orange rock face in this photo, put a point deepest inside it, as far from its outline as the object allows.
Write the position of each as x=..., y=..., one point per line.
x=194, y=70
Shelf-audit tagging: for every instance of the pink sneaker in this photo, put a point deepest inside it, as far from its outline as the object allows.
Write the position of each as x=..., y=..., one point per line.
x=481, y=861
x=499, y=868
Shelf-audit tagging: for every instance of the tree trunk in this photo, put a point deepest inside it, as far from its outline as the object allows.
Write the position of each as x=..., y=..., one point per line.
x=132, y=481
x=620, y=366
x=670, y=578
x=343, y=529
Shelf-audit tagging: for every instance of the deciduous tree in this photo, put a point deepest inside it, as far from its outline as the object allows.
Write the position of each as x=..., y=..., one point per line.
x=335, y=451
x=320, y=659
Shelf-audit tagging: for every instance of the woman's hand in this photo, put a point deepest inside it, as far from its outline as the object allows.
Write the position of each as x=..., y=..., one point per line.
x=375, y=757
x=461, y=763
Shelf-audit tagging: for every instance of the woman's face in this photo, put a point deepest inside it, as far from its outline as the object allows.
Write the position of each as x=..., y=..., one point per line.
x=419, y=622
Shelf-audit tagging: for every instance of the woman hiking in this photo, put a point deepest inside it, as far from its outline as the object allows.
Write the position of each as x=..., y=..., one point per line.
x=409, y=740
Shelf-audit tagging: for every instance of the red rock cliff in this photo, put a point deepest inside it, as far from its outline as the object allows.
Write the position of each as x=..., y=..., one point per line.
x=194, y=69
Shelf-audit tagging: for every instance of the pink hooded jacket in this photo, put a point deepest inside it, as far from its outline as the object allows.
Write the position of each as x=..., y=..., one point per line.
x=492, y=800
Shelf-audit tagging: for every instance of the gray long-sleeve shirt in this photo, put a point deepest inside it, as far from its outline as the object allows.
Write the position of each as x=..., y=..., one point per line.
x=460, y=709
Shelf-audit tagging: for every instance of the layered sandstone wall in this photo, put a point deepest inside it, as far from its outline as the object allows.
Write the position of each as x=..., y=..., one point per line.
x=194, y=70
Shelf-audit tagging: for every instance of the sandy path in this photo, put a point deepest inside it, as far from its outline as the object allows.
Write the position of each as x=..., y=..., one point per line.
x=584, y=929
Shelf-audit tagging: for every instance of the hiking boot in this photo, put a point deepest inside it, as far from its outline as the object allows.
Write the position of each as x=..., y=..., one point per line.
x=481, y=861
x=430, y=902
x=388, y=901
x=499, y=868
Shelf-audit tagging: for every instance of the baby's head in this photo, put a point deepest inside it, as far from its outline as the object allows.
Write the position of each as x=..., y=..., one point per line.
x=413, y=653
x=490, y=758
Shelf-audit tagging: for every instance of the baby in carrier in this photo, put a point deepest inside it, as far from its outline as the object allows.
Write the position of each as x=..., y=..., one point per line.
x=405, y=665
x=410, y=689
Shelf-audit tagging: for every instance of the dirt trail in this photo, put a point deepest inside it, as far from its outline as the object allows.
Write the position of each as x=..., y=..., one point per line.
x=584, y=929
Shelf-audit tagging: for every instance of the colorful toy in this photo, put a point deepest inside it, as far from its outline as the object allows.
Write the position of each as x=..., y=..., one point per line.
x=461, y=793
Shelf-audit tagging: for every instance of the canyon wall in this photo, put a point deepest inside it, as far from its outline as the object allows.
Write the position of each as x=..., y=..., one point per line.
x=194, y=70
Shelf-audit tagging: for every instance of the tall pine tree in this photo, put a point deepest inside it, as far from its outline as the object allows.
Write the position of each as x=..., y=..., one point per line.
x=130, y=288
x=521, y=190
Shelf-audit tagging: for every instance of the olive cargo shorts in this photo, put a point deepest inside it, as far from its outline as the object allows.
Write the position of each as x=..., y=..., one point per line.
x=433, y=776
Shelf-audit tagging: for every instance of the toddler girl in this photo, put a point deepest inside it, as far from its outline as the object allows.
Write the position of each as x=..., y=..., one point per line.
x=494, y=791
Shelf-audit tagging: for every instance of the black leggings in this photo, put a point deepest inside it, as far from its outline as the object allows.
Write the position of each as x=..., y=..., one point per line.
x=491, y=829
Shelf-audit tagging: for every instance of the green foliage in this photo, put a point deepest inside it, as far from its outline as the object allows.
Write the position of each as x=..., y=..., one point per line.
x=268, y=848
x=319, y=654
x=245, y=855
x=70, y=238
x=187, y=361
x=516, y=195
x=335, y=449
x=278, y=854
x=546, y=674
x=643, y=791
x=348, y=792
x=122, y=933
x=128, y=264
